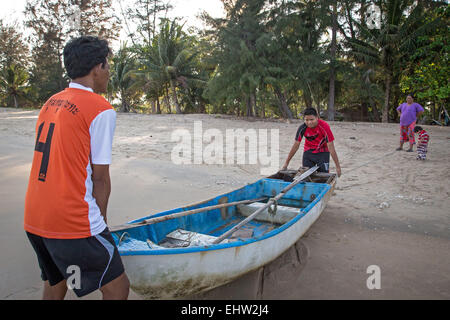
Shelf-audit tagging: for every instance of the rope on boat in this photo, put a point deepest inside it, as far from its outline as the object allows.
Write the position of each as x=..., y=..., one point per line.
x=121, y=237
x=272, y=209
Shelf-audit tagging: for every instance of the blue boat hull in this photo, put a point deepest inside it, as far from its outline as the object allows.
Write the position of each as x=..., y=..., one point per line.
x=160, y=272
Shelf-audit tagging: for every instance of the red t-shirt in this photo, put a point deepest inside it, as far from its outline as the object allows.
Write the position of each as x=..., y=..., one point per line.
x=423, y=137
x=316, y=139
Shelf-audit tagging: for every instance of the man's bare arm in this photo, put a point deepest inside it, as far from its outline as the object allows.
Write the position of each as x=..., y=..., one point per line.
x=101, y=187
x=294, y=149
x=334, y=155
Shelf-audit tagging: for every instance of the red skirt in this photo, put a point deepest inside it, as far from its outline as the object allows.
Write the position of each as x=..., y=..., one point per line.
x=407, y=133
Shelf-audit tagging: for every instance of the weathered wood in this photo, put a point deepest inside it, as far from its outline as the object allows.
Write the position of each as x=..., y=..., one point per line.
x=180, y=214
x=283, y=215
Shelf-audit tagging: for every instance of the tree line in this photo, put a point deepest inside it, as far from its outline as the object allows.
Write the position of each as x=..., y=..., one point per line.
x=350, y=59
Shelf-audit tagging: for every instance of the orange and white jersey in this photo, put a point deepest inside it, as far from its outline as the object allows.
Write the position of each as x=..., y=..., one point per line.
x=75, y=129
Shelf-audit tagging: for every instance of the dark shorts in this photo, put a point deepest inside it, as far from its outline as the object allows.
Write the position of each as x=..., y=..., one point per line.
x=322, y=159
x=87, y=264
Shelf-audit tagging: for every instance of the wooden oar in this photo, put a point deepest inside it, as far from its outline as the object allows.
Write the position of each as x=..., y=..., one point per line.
x=181, y=214
x=297, y=180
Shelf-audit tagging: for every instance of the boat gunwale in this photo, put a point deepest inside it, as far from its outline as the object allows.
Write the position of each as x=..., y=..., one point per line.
x=239, y=243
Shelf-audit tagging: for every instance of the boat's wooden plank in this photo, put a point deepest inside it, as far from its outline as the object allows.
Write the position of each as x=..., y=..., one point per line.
x=181, y=214
x=283, y=214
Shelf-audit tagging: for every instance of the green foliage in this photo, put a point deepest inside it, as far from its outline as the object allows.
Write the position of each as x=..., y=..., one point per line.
x=427, y=68
x=264, y=58
x=122, y=84
x=52, y=23
x=388, y=47
x=13, y=85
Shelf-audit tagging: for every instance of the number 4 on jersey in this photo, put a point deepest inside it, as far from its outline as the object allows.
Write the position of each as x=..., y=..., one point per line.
x=45, y=149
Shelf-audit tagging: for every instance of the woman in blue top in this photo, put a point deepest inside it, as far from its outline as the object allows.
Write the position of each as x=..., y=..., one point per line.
x=408, y=112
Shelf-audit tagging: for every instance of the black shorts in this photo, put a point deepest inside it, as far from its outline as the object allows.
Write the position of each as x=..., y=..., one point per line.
x=322, y=159
x=87, y=264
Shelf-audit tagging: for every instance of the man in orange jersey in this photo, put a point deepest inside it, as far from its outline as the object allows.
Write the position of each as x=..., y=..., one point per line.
x=69, y=185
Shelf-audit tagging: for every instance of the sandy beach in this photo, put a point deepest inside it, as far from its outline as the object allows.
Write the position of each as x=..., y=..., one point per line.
x=388, y=209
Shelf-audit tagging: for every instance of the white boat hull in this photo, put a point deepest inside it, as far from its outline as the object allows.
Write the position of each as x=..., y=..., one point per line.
x=178, y=275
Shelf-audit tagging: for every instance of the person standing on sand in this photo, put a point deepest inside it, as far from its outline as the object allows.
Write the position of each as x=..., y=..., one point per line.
x=69, y=184
x=319, y=143
x=408, y=113
x=422, y=147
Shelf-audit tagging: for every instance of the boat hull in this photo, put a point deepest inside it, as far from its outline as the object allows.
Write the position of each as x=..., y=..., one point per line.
x=176, y=275
x=179, y=275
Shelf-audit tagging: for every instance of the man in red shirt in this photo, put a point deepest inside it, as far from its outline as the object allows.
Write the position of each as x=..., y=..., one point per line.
x=319, y=143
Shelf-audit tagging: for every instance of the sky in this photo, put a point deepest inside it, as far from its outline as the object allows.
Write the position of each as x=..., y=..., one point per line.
x=12, y=10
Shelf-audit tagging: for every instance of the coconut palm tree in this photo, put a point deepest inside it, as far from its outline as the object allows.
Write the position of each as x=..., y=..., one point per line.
x=385, y=47
x=13, y=83
x=173, y=60
x=149, y=75
x=121, y=81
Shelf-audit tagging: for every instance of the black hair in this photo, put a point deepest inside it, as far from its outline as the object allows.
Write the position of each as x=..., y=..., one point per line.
x=410, y=95
x=310, y=112
x=417, y=129
x=82, y=54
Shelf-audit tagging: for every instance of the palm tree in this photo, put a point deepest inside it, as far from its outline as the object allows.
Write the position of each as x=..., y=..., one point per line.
x=121, y=78
x=385, y=47
x=176, y=58
x=13, y=83
x=149, y=74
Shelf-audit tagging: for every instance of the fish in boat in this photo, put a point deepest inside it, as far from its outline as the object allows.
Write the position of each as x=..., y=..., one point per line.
x=177, y=257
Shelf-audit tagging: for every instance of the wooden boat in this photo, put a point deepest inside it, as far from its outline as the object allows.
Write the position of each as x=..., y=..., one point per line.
x=178, y=257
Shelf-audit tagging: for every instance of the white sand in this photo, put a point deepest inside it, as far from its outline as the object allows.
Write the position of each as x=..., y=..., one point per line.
x=388, y=209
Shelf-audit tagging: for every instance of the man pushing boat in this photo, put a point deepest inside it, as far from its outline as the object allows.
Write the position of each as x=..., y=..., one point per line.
x=69, y=186
x=319, y=143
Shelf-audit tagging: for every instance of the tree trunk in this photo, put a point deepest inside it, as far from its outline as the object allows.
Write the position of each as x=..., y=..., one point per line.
x=387, y=96
x=202, y=107
x=284, y=108
x=396, y=95
x=307, y=98
x=364, y=111
x=263, y=110
x=249, y=112
x=253, y=104
x=153, y=106
x=174, y=96
x=15, y=101
x=332, y=65
x=167, y=101
x=362, y=12
x=349, y=20
x=158, y=106
x=124, y=107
